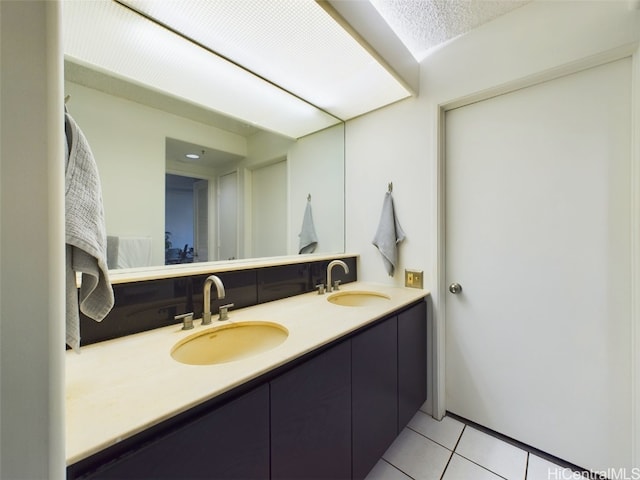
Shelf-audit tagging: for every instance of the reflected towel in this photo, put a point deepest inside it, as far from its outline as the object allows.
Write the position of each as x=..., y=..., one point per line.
x=388, y=235
x=86, y=251
x=308, y=237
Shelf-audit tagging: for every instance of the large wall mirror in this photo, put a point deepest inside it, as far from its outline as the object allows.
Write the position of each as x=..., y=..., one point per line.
x=244, y=196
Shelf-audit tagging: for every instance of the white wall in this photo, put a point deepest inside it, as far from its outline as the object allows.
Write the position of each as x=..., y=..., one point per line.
x=399, y=143
x=31, y=242
x=316, y=167
x=128, y=143
x=391, y=145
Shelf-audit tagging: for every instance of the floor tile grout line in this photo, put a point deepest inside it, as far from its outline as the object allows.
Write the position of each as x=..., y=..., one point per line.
x=468, y=459
x=481, y=466
x=529, y=450
x=429, y=438
x=399, y=469
x=464, y=427
x=447, y=465
x=452, y=452
x=462, y=456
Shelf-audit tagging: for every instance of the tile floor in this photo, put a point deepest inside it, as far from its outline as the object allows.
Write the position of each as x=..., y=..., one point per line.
x=450, y=450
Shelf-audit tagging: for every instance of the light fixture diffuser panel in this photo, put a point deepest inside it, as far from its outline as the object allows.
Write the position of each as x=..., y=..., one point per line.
x=292, y=43
x=111, y=38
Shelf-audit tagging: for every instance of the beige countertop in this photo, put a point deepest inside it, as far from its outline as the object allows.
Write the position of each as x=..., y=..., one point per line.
x=118, y=388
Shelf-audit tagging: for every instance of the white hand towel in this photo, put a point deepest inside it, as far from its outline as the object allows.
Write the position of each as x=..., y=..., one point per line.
x=308, y=237
x=388, y=235
x=85, y=237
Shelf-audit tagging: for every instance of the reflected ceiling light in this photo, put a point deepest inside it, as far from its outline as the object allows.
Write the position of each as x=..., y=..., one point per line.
x=292, y=43
x=108, y=37
x=192, y=156
x=203, y=51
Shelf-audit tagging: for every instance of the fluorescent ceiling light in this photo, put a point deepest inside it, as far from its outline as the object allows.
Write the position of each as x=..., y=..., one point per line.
x=169, y=45
x=109, y=37
x=293, y=43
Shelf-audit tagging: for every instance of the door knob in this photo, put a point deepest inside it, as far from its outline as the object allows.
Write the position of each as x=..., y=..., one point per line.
x=455, y=288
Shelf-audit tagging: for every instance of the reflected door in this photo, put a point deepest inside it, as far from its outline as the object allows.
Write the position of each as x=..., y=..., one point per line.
x=228, y=216
x=269, y=210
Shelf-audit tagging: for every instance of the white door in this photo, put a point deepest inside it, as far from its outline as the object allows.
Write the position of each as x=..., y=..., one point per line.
x=228, y=216
x=537, y=234
x=269, y=210
x=201, y=221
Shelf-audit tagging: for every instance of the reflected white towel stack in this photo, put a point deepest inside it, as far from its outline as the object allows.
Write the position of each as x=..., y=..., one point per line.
x=388, y=235
x=130, y=252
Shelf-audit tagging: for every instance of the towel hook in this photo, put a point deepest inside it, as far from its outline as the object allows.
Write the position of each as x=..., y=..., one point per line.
x=309, y=198
x=390, y=187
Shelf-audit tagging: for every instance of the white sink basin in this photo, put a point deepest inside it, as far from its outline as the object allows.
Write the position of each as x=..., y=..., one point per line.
x=358, y=298
x=228, y=343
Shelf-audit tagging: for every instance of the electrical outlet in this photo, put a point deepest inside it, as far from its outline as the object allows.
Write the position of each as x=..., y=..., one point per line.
x=413, y=278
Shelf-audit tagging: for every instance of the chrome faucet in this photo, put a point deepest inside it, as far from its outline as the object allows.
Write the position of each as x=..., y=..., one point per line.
x=206, y=311
x=332, y=264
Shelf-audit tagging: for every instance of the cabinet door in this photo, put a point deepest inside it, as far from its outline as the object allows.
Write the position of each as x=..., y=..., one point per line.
x=311, y=418
x=374, y=394
x=412, y=362
x=231, y=442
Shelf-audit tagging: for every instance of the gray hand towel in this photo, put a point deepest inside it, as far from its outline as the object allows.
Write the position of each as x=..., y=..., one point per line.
x=308, y=237
x=86, y=238
x=388, y=235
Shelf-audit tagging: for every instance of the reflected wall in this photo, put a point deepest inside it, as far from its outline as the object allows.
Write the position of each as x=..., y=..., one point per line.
x=128, y=141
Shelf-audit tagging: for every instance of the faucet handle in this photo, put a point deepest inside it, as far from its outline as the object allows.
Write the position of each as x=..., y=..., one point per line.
x=187, y=320
x=224, y=311
x=320, y=288
x=336, y=284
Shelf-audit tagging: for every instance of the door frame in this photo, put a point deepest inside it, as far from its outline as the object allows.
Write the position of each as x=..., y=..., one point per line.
x=439, y=291
x=196, y=219
x=218, y=193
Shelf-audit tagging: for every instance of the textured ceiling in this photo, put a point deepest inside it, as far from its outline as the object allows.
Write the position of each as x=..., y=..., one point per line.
x=423, y=25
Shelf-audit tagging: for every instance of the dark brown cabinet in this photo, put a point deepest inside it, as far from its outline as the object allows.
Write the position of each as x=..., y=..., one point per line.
x=230, y=442
x=330, y=416
x=311, y=418
x=412, y=362
x=374, y=388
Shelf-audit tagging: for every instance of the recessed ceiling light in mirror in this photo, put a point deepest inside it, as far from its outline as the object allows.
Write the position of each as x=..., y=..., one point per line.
x=192, y=156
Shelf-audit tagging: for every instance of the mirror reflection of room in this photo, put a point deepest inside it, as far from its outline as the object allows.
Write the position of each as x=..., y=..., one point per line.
x=202, y=212
x=257, y=181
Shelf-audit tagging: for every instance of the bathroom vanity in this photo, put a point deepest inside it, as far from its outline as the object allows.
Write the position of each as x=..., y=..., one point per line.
x=324, y=403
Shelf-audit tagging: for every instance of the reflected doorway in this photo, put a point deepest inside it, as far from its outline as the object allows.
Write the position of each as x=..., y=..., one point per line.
x=186, y=219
